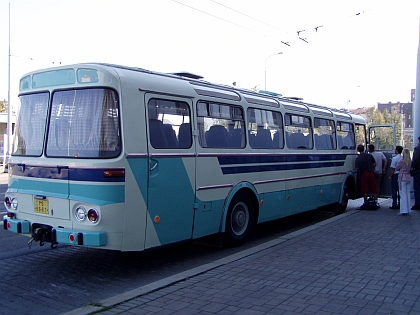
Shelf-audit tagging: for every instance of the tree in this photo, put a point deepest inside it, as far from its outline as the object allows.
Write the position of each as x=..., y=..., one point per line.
x=376, y=117
x=3, y=106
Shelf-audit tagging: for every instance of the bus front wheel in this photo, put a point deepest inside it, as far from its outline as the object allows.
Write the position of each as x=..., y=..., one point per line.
x=240, y=219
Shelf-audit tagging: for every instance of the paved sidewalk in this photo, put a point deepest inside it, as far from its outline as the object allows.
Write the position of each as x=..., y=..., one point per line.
x=361, y=262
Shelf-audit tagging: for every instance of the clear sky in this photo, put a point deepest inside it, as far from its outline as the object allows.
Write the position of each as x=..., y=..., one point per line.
x=362, y=51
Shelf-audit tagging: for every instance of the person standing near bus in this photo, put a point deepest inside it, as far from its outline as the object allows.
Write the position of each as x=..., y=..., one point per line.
x=381, y=165
x=365, y=167
x=404, y=181
x=416, y=167
x=393, y=176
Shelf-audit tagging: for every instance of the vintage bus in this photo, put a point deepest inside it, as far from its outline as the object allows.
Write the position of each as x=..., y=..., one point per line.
x=128, y=159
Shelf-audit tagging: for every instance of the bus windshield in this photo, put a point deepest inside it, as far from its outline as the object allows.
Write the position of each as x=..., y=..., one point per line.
x=82, y=124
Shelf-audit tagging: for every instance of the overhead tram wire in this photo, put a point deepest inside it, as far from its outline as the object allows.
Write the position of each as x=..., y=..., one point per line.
x=218, y=17
x=285, y=42
x=316, y=28
x=248, y=16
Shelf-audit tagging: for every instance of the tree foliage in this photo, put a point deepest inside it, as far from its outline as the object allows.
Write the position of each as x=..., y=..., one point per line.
x=376, y=117
x=3, y=106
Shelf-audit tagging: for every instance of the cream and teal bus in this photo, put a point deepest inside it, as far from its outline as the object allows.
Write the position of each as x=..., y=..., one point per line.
x=127, y=159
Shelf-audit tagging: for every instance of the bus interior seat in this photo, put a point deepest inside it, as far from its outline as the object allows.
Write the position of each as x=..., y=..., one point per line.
x=184, y=136
x=263, y=139
x=170, y=136
x=237, y=139
x=278, y=140
x=217, y=137
x=297, y=141
x=157, y=136
x=324, y=142
x=345, y=143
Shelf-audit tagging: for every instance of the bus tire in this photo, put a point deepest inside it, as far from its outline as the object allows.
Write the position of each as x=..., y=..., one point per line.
x=239, y=220
x=342, y=206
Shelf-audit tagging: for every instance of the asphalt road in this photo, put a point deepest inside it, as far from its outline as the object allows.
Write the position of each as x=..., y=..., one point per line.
x=41, y=280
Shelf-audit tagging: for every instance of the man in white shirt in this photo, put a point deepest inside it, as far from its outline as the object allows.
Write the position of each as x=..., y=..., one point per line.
x=381, y=165
x=393, y=176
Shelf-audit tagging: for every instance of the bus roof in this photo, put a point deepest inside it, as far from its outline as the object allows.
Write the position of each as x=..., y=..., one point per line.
x=79, y=73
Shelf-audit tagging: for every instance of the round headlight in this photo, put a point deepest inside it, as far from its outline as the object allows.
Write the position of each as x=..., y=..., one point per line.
x=93, y=215
x=14, y=204
x=80, y=214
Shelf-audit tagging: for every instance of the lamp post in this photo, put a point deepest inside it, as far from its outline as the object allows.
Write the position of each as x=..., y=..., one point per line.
x=265, y=69
x=348, y=98
x=9, y=108
x=402, y=124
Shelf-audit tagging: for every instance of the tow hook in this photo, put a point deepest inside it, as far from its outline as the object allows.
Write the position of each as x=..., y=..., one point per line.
x=42, y=234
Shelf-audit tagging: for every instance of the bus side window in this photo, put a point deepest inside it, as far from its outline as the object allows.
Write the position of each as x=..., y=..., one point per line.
x=345, y=136
x=324, y=134
x=265, y=129
x=169, y=124
x=220, y=125
x=299, y=131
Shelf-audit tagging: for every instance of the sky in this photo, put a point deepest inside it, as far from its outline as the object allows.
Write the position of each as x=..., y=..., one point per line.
x=340, y=54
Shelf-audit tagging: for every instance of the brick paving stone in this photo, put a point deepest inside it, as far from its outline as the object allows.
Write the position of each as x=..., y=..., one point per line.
x=366, y=262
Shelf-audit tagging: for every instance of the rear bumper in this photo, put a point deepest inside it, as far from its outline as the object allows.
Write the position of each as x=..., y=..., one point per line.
x=58, y=235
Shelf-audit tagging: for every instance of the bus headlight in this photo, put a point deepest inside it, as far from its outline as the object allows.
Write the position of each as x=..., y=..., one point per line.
x=80, y=214
x=14, y=203
x=93, y=215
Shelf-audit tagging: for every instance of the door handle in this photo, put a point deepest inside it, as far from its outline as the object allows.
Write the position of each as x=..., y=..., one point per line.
x=154, y=166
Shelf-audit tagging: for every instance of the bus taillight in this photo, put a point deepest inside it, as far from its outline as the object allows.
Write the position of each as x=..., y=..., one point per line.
x=7, y=202
x=93, y=215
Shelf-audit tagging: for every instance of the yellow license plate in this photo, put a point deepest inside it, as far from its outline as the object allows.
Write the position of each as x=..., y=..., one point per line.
x=41, y=206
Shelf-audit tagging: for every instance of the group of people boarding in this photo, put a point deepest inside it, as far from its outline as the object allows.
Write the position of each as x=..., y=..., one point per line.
x=372, y=166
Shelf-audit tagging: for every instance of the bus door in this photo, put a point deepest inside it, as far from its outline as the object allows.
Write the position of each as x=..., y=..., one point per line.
x=383, y=137
x=171, y=182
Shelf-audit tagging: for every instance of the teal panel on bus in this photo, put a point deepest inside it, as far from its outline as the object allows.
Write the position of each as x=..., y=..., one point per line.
x=103, y=194
x=284, y=203
x=54, y=188
x=171, y=197
x=208, y=217
x=54, y=78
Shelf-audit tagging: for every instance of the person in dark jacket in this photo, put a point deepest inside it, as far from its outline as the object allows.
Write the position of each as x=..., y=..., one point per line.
x=416, y=167
x=365, y=167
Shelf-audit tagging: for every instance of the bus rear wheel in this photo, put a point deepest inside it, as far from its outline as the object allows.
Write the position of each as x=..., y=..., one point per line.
x=240, y=220
x=342, y=206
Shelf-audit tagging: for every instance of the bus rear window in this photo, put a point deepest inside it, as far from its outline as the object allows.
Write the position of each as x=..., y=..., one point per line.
x=30, y=127
x=84, y=124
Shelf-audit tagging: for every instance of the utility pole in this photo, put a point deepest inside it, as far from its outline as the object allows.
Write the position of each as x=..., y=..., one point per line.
x=9, y=107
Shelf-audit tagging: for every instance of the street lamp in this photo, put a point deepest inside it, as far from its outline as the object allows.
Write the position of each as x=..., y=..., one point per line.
x=348, y=99
x=265, y=69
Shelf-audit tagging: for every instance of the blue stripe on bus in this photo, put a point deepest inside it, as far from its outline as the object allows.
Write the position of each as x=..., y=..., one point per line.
x=278, y=158
x=237, y=164
x=277, y=167
x=64, y=173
